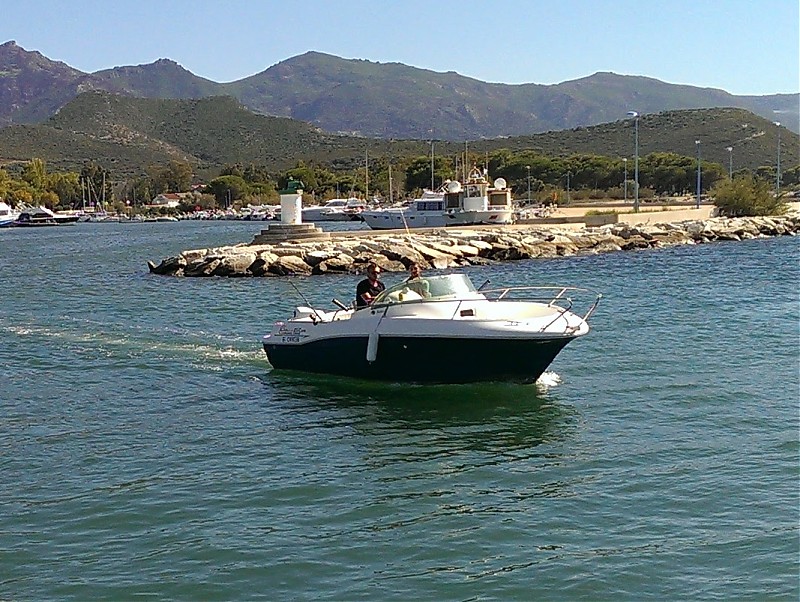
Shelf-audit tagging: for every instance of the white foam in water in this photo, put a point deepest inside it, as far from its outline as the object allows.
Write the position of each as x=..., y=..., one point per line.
x=548, y=379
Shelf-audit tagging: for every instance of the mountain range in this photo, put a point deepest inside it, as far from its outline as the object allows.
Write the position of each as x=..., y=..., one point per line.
x=375, y=100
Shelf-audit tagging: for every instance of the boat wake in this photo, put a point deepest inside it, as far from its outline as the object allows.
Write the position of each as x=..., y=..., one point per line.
x=201, y=350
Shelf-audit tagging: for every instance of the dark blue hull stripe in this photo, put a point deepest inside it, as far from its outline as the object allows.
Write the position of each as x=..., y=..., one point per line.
x=420, y=359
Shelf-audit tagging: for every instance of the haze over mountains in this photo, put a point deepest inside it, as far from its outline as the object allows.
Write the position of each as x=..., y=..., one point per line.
x=377, y=100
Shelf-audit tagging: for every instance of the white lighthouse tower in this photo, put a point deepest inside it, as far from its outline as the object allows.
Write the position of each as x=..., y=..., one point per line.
x=291, y=226
x=292, y=203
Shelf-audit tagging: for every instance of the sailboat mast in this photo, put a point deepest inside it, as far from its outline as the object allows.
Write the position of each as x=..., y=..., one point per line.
x=366, y=175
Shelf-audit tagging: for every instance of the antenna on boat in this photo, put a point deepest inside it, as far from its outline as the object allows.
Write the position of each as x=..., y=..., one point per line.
x=302, y=296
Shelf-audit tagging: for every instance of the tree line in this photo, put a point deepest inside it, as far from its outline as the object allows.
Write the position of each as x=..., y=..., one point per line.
x=529, y=174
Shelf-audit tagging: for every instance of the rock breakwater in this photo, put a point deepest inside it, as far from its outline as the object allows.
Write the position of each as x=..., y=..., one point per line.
x=348, y=253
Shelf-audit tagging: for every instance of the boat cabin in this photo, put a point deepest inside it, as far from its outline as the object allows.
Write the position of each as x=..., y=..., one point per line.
x=476, y=194
x=433, y=288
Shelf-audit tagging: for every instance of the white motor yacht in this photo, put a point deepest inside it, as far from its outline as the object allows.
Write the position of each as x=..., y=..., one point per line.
x=475, y=201
x=335, y=210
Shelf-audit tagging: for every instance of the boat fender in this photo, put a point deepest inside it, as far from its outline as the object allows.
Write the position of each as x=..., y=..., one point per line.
x=372, y=347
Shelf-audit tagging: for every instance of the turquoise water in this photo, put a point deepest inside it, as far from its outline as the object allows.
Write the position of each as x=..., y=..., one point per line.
x=148, y=452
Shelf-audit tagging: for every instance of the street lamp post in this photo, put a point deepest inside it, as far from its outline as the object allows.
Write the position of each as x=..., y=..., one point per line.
x=569, y=173
x=697, y=144
x=730, y=161
x=432, y=186
x=625, y=180
x=635, y=116
x=528, y=167
x=778, y=174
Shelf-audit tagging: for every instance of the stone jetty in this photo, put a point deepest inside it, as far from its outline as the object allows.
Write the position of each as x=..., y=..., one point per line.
x=349, y=252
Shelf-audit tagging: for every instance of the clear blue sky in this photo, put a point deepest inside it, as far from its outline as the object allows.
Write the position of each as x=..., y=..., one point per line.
x=741, y=46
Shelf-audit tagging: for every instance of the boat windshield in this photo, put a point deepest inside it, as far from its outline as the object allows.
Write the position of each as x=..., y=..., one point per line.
x=452, y=286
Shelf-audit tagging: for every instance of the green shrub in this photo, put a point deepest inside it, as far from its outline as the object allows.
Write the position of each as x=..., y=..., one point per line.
x=746, y=196
x=601, y=212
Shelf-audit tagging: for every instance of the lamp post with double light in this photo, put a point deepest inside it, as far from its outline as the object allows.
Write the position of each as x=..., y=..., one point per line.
x=730, y=162
x=432, y=184
x=778, y=173
x=528, y=167
x=569, y=174
x=697, y=144
x=635, y=116
x=625, y=180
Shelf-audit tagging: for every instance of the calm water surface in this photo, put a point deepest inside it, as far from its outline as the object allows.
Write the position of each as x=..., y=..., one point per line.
x=148, y=452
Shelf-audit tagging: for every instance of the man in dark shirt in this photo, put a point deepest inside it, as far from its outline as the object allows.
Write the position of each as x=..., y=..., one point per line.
x=369, y=288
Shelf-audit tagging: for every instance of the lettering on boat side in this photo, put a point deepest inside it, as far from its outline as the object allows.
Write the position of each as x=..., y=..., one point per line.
x=283, y=330
x=291, y=335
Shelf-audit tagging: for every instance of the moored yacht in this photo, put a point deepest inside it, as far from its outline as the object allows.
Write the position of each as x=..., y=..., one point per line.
x=35, y=217
x=335, y=210
x=7, y=215
x=474, y=201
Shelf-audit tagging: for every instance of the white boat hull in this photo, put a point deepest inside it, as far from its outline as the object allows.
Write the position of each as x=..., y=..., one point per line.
x=325, y=215
x=396, y=219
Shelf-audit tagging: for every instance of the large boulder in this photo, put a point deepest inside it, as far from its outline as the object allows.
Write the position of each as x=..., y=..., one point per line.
x=404, y=254
x=317, y=256
x=260, y=266
x=431, y=254
x=202, y=267
x=341, y=263
x=290, y=265
x=466, y=250
x=668, y=238
x=235, y=265
x=194, y=255
x=169, y=266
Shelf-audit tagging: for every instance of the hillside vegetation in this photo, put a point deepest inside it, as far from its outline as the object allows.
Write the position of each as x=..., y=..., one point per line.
x=129, y=134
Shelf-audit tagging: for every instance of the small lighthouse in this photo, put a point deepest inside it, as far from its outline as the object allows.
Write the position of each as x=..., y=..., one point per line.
x=291, y=226
x=292, y=203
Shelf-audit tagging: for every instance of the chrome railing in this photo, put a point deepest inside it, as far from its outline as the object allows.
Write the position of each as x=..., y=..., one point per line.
x=555, y=296
x=558, y=297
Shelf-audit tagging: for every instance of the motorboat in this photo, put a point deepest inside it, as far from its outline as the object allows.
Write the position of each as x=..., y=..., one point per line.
x=474, y=201
x=335, y=210
x=7, y=215
x=35, y=217
x=99, y=217
x=438, y=329
x=66, y=217
x=259, y=213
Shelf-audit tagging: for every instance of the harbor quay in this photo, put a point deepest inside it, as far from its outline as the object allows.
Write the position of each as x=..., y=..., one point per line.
x=306, y=250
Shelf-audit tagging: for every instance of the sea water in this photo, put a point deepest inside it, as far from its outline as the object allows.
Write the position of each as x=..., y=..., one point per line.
x=147, y=450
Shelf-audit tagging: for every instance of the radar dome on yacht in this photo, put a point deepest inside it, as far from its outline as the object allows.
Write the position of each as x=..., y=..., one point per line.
x=454, y=186
x=500, y=183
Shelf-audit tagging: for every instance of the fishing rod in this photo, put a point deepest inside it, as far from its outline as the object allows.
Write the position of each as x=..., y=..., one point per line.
x=302, y=296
